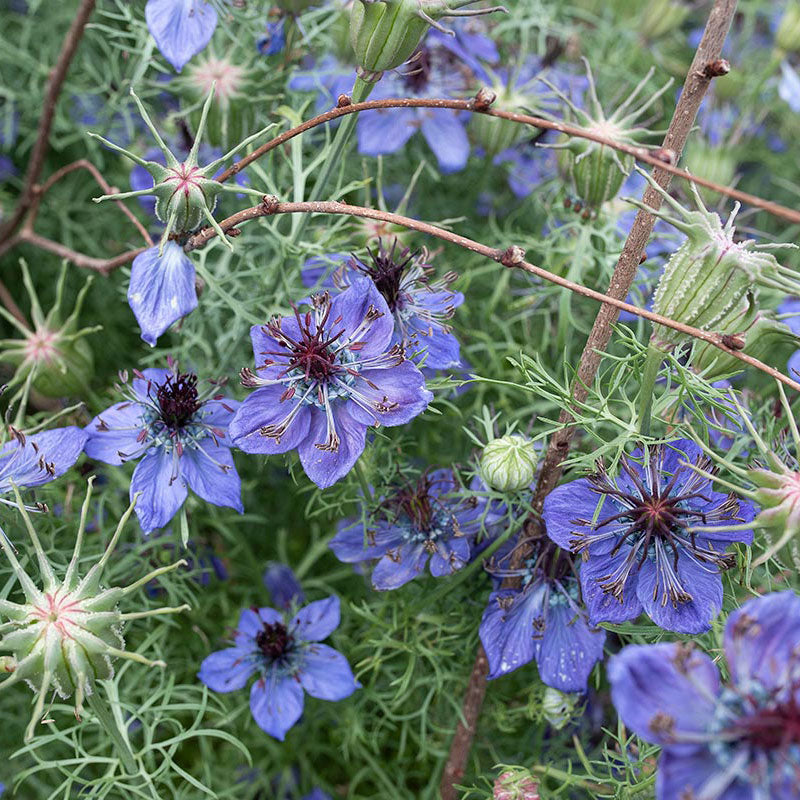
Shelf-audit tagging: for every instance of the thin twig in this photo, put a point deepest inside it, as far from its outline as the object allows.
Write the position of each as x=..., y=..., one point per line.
x=104, y=266
x=512, y=257
x=666, y=161
x=57, y=76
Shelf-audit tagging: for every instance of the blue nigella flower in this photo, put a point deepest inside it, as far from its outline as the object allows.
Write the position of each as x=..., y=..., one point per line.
x=639, y=536
x=420, y=305
x=791, y=308
x=543, y=620
x=735, y=741
x=789, y=87
x=181, y=437
x=426, y=520
x=273, y=40
x=327, y=77
x=282, y=585
x=322, y=378
x=28, y=460
x=287, y=657
x=181, y=28
x=161, y=289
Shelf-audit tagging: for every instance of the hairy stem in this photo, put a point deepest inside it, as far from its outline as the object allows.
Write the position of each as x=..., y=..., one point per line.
x=652, y=364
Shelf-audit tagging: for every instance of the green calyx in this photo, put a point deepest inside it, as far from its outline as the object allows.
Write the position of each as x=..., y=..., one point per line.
x=186, y=193
x=66, y=634
x=51, y=354
x=711, y=282
x=385, y=33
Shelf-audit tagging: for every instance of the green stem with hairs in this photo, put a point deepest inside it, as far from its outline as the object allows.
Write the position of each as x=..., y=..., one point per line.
x=652, y=365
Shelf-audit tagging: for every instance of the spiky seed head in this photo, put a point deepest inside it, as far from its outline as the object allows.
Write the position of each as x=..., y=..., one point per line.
x=385, y=33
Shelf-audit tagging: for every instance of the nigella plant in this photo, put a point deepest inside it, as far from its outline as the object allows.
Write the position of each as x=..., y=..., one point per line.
x=426, y=522
x=322, y=377
x=653, y=538
x=180, y=435
x=287, y=656
x=542, y=620
x=734, y=741
x=421, y=305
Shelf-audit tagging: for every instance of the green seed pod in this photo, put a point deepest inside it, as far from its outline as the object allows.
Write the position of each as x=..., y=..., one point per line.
x=598, y=172
x=385, y=33
x=185, y=192
x=712, y=280
x=717, y=164
x=660, y=17
x=493, y=134
x=508, y=464
x=787, y=37
x=560, y=708
x=65, y=635
x=52, y=354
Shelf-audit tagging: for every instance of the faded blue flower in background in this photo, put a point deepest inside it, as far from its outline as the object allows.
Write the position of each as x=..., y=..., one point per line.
x=420, y=304
x=322, y=377
x=161, y=289
x=543, y=621
x=426, y=522
x=327, y=77
x=789, y=87
x=181, y=28
x=287, y=658
x=273, y=40
x=181, y=437
x=282, y=585
x=638, y=536
x=738, y=741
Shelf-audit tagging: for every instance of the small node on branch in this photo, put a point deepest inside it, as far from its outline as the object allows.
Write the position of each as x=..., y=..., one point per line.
x=513, y=256
x=716, y=68
x=233, y=232
x=344, y=100
x=665, y=154
x=733, y=341
x=484, y=99
x=643, y=257
x=270, y=203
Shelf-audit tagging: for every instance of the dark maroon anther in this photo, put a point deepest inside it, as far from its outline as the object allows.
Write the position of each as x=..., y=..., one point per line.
x=273, y=641
x=177, y=399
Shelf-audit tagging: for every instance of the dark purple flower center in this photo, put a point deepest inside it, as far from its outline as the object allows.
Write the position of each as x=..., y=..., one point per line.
x=177, y=398
x=386, y=269
x=274, y=641
x=772, y=729
x=420, y=67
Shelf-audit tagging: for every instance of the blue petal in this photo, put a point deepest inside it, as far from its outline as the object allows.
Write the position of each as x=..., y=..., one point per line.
x=604, y=607
x=565, y=504
x=395, y=395
x=44, y=457
x=114, y=433
x=181, y=28
x=397, y=569
x=325, y=467
x=325, y=674
x=317, y=272
x=211, y=474
x=446, y=135
x=661, y=691
x=449, y=557
x=507, y=633
x=381, y=133
x=317, y=620
x=252, y=621
x=351, y=306
x=276, y=704
x=569, y=650
x=265, y=407
x=282, y=585
x=163, y=491
x=226, y=670
x=348, y=544
x=161, y=290
x=685, y=774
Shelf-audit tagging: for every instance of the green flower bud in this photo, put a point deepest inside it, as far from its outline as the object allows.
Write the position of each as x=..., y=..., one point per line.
x=185, y=192
x=560, y=708
x=711, y=281
x=597, y=171
x=493, y=134
x=787, y=37
x=660, y=17
x=66, y=634
x=385, y=33
x=717, y=164
x=508, y=464
x=52, y=354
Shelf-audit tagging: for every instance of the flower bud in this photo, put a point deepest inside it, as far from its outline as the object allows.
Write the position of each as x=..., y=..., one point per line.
x=185, y=192
x=515, y=785
x=385, y=33
x=508, y=464
x=711, y=281
x=492, y=133
x=64, y=636
x=53, y=353
x=787, y=37
x=560, y=708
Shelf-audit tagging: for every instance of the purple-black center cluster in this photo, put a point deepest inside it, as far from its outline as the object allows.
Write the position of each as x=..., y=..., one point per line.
x=274, y=641
x=178, y=400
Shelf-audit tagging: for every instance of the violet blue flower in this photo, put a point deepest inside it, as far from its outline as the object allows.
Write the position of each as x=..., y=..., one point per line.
x=181, y=437
x=282, y=585
x=287, y=657
x=789, y=87
x=322, y=378
x=327, y=77
x=161, y=289
x=542, y=621
x=181, y=28
x=420, y=305
x=639, y=535
x=734, y=741
x=417, y=522
x=273, y=40
x=28, y=460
